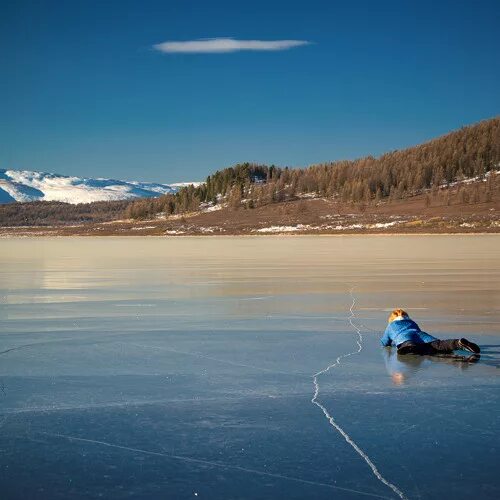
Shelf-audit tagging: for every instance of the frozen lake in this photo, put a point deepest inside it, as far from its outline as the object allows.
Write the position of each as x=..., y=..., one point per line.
x=184, y=368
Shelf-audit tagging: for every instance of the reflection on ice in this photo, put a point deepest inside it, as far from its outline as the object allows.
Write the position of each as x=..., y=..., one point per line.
x=402, y=368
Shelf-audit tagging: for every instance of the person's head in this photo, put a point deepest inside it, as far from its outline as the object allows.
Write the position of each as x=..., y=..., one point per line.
x=398, y=314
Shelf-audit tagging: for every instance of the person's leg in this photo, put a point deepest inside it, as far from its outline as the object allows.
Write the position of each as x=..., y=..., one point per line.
x=419, y=349
x=407, y=348
x=445, y=346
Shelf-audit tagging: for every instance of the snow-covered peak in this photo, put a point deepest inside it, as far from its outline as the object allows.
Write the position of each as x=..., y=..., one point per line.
x=25, y=185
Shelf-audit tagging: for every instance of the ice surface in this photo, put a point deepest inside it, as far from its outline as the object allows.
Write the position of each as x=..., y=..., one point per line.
x=160, y=368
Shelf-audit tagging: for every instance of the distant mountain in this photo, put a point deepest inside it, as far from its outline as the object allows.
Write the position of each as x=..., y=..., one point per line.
x=24, y=186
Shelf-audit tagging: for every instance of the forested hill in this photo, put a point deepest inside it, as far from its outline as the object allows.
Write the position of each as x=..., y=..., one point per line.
x=467, y=153
x=452, y=170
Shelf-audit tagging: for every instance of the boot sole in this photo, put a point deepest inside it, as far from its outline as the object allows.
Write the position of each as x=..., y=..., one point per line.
x=469, y=346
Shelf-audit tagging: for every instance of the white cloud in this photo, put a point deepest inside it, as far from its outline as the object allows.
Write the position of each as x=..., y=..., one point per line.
x=221, y=45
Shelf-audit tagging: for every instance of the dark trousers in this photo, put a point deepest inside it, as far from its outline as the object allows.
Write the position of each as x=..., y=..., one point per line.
x=434, y=347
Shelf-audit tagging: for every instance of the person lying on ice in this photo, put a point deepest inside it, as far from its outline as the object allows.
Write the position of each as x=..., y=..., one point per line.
x=406, y=335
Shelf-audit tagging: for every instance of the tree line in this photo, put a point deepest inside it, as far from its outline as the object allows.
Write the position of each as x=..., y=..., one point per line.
x=467, y=153
x=48, y=213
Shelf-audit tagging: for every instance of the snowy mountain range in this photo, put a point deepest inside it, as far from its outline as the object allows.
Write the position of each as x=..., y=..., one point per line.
x=24, y=185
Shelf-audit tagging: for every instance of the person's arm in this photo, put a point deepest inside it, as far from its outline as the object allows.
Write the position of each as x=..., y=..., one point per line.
x=386, y=339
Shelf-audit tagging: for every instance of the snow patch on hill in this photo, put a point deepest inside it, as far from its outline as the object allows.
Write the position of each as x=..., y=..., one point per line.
x=25, y=185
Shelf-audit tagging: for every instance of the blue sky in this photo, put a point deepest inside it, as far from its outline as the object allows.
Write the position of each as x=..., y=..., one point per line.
x=84, y=92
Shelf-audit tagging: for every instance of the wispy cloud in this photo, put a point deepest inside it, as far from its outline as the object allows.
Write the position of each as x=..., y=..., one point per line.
x=221, y=45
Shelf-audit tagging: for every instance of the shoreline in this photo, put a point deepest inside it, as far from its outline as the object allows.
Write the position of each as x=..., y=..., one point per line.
x=272, y=235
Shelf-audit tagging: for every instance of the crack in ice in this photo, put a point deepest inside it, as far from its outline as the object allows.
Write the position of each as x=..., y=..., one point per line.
x=211, y=358
x=331, y=420
x=209, y=462
x=125, y=404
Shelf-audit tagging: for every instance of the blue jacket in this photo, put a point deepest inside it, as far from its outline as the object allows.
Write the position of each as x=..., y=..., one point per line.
x=402, y=330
